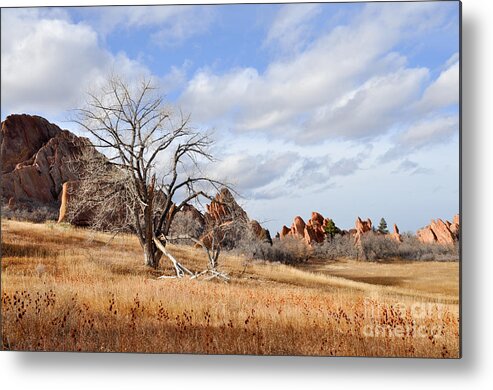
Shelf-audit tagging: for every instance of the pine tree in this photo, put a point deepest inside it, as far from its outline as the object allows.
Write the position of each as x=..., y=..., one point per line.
x=331, y=229
x=382, y=227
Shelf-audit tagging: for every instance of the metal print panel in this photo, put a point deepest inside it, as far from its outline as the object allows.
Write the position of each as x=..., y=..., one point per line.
x=267, y=179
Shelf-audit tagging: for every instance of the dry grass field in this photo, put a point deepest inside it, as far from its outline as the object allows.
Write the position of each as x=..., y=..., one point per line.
x=68, y=289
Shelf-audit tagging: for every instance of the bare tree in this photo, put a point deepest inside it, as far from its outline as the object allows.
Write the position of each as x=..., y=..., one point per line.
x=135, y=130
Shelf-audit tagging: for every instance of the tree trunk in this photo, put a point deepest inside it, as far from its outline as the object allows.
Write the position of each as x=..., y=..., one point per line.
x=151, y=256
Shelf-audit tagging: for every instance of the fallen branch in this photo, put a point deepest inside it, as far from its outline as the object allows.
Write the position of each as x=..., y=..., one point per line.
x=179, y=268
x=212, y=255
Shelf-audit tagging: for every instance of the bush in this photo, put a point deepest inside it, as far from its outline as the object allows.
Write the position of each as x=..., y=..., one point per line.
x=341, y=246
x=35, y=214
x=287, y=251
x=378, y=247
x=185, y=225
x=413, y=249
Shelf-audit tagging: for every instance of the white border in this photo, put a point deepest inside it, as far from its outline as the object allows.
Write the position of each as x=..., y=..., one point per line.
x=87, y=371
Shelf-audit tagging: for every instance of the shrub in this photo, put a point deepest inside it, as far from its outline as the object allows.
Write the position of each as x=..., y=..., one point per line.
x=377, y=247
x=288, y=251
x=31, y=213
x=413, y=249
x=185, y=225
x=341, y=246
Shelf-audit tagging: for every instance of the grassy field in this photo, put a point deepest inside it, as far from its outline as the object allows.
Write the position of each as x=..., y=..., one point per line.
x=69, y=289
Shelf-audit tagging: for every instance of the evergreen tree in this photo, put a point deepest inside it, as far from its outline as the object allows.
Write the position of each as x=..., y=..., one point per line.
x=331, y=229
x=382, y=227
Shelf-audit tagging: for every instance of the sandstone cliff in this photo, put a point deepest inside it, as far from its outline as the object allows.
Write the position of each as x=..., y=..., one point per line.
x=36, y=160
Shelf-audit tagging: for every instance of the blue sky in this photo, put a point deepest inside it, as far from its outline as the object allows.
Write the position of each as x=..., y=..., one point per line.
x=347, y=109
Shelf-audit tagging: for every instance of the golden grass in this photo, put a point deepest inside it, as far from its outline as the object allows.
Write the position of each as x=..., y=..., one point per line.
x=70, y=289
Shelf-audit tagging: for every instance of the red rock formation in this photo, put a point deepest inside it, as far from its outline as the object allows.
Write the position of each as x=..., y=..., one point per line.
x=316, y=222
x=298, y=227
x=22, y=136
x=65, y=199
x=455, y=227
x=396, y=235
x=259, y=232
x=311, y=232
x=224, y=209
x=310, y=235
x=285, y=231
x=440, y=232
x=35, y=159
x=361, y=227
x=426, y=235
x=317, y=218
x=225, y=212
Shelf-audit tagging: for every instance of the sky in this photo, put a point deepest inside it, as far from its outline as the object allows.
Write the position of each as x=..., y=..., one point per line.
x=348, y=109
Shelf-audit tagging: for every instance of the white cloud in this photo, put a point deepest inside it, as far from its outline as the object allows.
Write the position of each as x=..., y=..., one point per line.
x=411, y=167
x=291, y=28
x=248, y=172
x=347, y=83
x=370, y=109
x=49, y=61
x=444, y=91
x=171, y=25
x=431, y=131
x=423, y=134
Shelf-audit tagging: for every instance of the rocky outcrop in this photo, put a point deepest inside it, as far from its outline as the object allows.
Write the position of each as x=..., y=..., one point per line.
x=67, y=193
x=312, y=232
x=396, y=235
x=440, y=232
x=227, y=220
x=36, y=158
x=259, y=232
x=361, y=227
x=455, y=226
x=285, y=231
x=298, y=227
x=22, y=136
x=224, y=208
